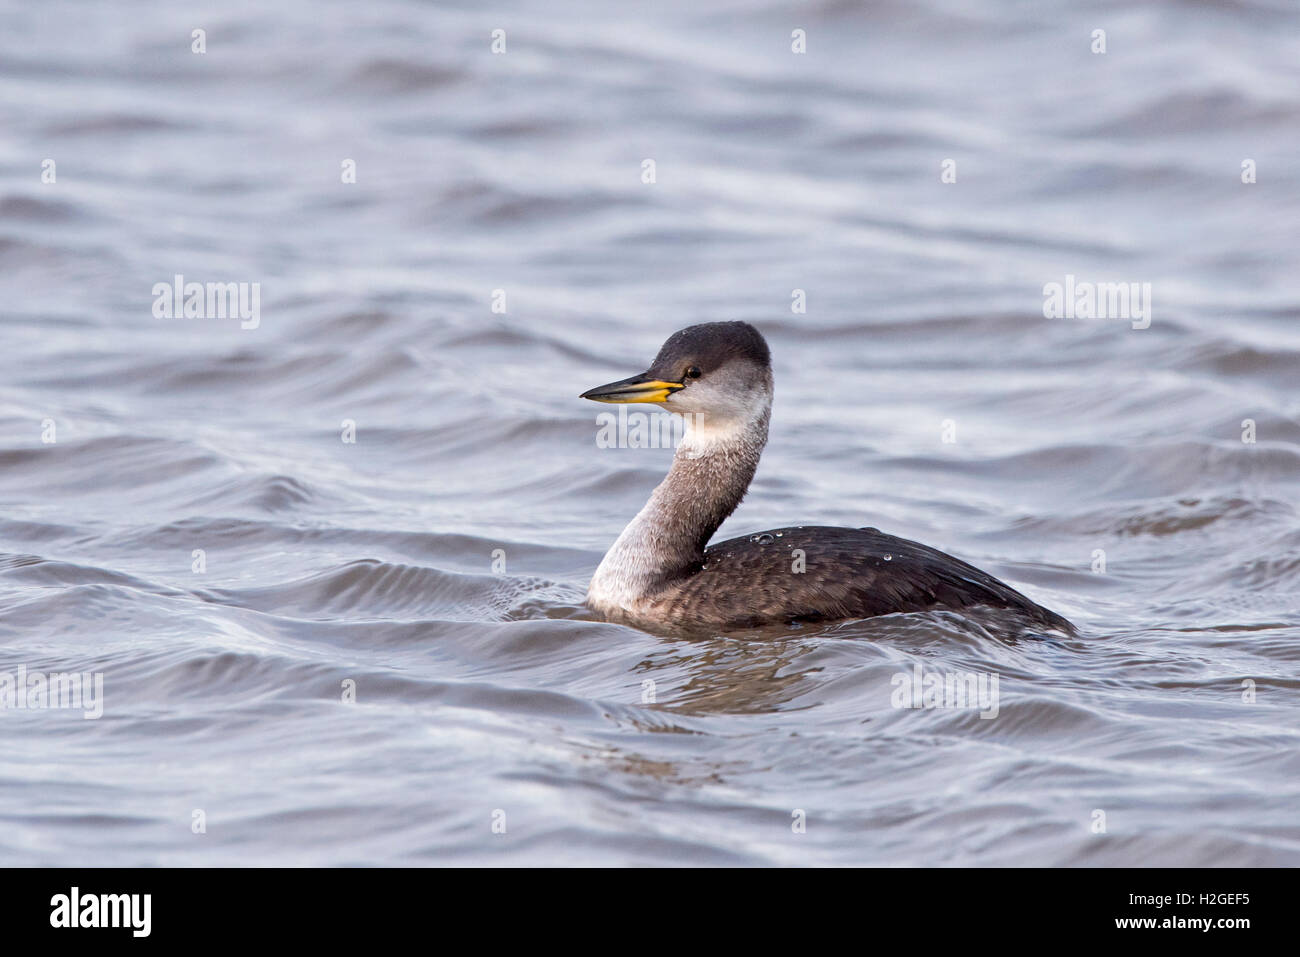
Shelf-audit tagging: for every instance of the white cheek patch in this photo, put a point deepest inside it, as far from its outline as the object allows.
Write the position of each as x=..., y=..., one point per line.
x=717, y=416
x=705, y=433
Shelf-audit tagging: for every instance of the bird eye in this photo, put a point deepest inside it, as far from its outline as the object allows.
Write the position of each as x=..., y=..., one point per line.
x=693, y=372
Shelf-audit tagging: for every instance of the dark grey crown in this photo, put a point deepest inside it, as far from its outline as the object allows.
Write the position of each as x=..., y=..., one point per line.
x=709, y=346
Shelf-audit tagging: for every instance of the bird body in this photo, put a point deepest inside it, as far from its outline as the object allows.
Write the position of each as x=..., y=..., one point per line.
x=661, y=571
x=816, y=573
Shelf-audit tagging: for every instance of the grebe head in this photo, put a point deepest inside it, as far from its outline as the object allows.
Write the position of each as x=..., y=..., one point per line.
x=721, y=371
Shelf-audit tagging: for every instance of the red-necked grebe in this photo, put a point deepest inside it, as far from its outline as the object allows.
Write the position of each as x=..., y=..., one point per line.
x=661, y=570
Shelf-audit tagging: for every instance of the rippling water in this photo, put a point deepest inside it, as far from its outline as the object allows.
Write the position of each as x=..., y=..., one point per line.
x=180, y=513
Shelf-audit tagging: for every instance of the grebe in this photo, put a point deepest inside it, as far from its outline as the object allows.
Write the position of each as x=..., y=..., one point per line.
x=661, y=570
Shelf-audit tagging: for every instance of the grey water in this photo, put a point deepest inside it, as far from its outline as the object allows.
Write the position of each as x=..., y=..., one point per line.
x=328, y=555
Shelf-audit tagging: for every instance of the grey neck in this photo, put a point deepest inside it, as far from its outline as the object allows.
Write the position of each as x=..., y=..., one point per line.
x=710, y=474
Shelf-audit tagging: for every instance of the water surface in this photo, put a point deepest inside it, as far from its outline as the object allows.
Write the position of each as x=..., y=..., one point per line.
x=437, y=564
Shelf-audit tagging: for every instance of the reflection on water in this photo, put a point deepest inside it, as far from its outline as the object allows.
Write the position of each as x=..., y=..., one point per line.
x=727, y=676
